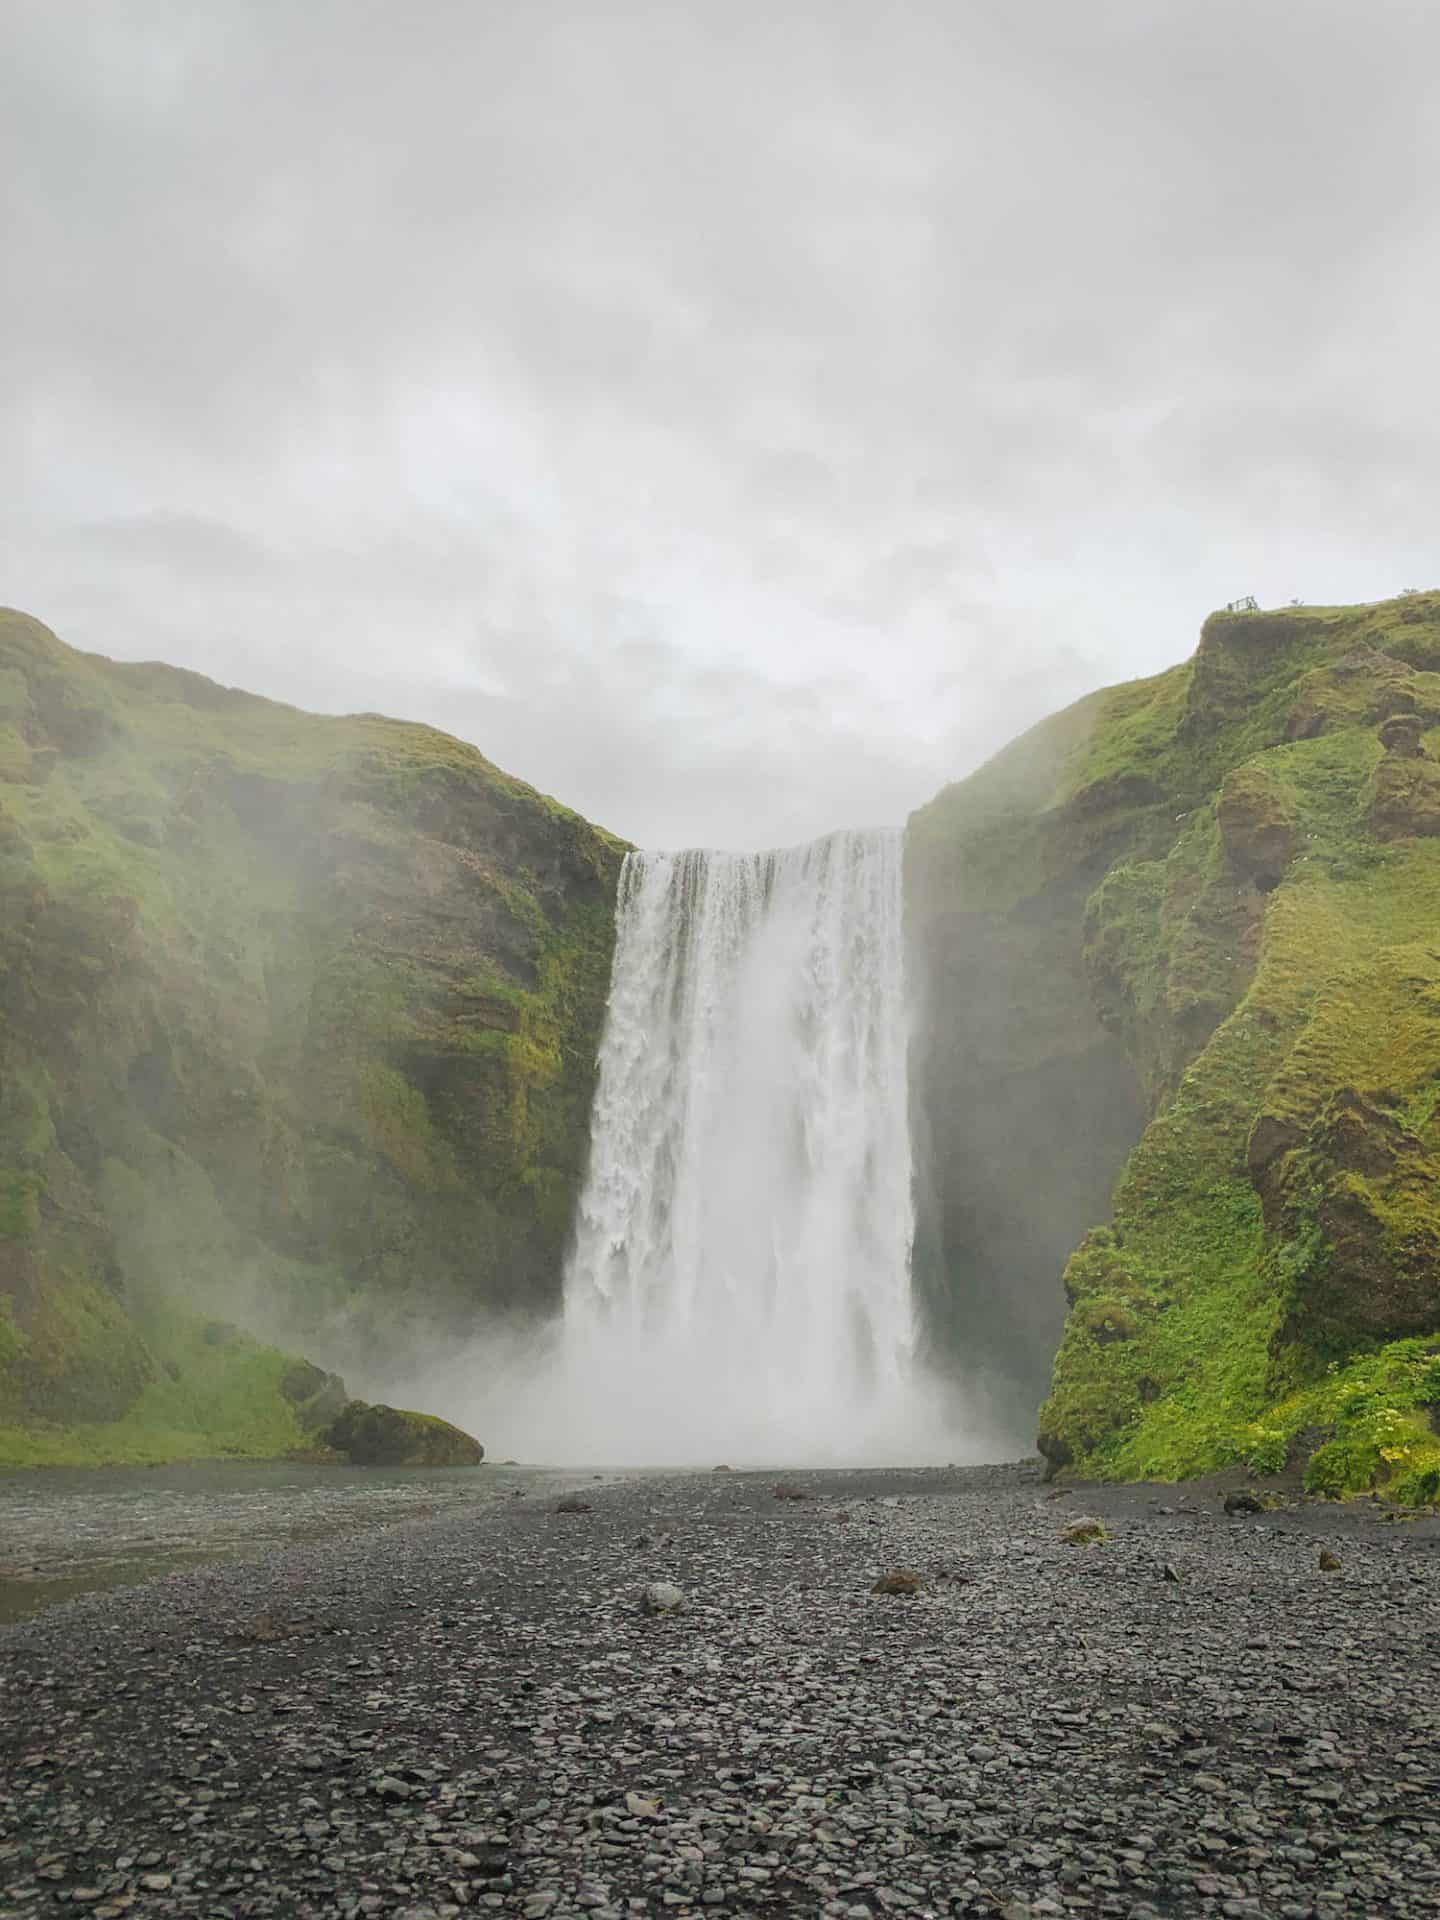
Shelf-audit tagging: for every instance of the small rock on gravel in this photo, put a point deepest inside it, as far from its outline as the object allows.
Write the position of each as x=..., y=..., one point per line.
x=1243, y=1500
x=901, y=1581
x=662, y=1596
x=1083, y=1531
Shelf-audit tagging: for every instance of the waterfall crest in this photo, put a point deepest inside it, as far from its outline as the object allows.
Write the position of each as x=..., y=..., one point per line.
x=741, y=1269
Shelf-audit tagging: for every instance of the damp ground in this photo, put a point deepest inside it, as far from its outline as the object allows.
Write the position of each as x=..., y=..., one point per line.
x=473, y=1709
x=67, y=1531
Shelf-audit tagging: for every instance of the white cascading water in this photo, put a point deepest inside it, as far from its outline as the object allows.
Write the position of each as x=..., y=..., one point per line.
x=739, y=1287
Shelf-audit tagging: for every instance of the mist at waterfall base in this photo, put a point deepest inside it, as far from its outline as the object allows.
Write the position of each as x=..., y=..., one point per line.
x=739, y=1287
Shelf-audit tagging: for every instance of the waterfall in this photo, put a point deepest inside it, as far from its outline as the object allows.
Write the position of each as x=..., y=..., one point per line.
x=740, y=1278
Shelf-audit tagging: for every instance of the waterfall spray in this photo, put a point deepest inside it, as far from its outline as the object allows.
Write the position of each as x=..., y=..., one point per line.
x=740, y=1280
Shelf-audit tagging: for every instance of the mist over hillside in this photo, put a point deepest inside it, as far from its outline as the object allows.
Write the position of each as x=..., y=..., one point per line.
x=299, y=1030
x=301, y=1021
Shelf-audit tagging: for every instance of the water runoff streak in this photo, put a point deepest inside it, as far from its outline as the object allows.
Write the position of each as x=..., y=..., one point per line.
x=739, y=1287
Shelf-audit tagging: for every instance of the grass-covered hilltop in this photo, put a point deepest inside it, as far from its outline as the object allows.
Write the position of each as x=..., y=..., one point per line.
x=298, y=1021
x=1185, y=938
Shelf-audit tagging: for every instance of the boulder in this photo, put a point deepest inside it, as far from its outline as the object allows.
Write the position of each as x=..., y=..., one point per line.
x=381, y=1436
x=661, y=1596
x=1243, y=1500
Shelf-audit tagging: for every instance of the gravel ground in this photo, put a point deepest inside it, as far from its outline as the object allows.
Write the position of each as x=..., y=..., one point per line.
x=66, y=1531
x=474, y=1710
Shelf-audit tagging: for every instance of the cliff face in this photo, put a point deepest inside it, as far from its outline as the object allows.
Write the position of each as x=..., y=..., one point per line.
x=1198, y=918
x=298, y=1019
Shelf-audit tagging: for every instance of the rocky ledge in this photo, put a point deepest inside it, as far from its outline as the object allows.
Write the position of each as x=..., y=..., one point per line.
x=1173, y=1711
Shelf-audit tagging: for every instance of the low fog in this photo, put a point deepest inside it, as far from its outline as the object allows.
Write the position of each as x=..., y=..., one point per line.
x=736, y=420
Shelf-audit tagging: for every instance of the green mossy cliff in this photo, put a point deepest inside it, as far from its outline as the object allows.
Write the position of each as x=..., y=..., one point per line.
x=298, y=1020
x=1178, y=953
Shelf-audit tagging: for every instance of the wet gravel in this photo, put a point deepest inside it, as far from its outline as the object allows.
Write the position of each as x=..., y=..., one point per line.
x=65, y=1531
x=481, y=1710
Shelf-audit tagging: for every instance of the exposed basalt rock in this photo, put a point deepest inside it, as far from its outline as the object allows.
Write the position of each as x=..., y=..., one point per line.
x=1054, y=1449
x=381, y=1436
x=1406, y=793
x=1271, y=1135
x=1404, y=734
x=1238, y=654
x=298, y=1023
x=1111, y=791
x=1363, y=1134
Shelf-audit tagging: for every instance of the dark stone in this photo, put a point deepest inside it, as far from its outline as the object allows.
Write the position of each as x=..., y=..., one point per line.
x=1055, y=1450
x=1270, y=1136
x=1403, y=734
x=381, y=1436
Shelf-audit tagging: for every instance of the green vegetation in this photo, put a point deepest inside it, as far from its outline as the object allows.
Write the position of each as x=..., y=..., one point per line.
x=1241, y=858
x=214, y=1394
x=379, y=1436
x=298, y=1020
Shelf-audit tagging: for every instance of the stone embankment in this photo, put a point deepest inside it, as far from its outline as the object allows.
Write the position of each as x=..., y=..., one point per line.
x=1178, y=1712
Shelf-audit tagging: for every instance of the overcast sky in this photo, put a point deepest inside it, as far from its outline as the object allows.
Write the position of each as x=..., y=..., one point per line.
x=737, y=419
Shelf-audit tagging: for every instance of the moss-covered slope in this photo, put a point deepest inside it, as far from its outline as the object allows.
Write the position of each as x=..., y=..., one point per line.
x=298, y=1019
x=1220, y=886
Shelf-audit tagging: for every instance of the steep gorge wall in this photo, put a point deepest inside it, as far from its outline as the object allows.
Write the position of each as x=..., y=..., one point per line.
x=1023, y=1106
x=298, y=1020
x=1201, y=915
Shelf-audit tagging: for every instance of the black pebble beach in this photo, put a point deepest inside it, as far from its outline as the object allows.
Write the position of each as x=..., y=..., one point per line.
x=477, y=1711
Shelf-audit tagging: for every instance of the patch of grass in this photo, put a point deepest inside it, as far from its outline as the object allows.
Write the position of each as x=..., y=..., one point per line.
x=208, y=1399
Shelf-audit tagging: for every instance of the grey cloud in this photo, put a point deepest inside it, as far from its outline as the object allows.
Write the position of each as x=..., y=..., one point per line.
x=742, y=417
